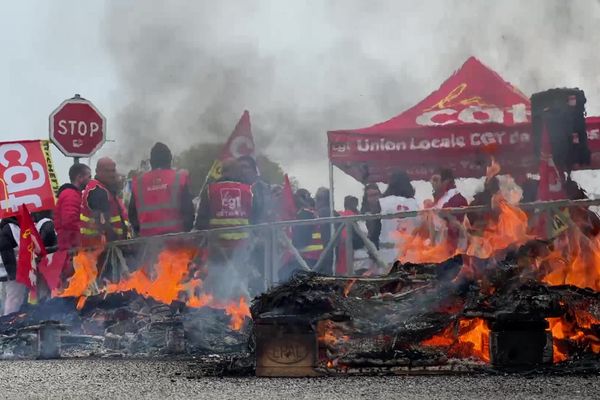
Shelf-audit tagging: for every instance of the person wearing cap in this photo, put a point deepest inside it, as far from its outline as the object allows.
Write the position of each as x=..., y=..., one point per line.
x=161, y=201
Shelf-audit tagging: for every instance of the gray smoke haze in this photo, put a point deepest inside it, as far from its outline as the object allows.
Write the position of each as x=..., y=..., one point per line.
x=187, y=70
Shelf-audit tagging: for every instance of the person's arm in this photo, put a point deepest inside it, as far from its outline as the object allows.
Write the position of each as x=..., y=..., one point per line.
x=187, y=209
x=133, y=215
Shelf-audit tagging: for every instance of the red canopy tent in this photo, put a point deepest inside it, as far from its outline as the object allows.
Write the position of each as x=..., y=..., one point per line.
x=473, y=114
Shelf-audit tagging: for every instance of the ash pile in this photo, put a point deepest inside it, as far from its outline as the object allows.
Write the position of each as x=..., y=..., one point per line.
x=117, y=325
x=430, y=318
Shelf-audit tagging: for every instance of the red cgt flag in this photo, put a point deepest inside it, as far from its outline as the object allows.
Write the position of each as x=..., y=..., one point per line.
x=51, y=267
x=30, y=246
x=240, y=143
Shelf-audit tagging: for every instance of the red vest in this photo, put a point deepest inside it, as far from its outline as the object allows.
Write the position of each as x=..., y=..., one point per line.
x=158, y=201
x=230, y=205
x=90, y=233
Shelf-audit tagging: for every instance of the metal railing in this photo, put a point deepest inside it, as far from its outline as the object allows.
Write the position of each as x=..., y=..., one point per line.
x=272, y=239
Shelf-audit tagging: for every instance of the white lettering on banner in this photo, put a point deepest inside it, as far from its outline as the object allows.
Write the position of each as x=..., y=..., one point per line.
x=593, y=134
x=426, y=118
x=453, y=141
x=474, y=114
x=80, y=128
x=15, y=186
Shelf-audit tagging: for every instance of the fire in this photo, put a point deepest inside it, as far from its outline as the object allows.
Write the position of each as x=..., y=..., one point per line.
x=82, y=283
x=578, y=329
x=169, y=279
x=429, y=246
x=471, y=339
x=329, y=334
x=238, y=313
x=575, y=262
x=348, y=286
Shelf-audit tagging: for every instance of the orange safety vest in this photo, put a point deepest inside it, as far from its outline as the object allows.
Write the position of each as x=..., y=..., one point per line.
x=230, y=205
x=314, y=249
x=90, y=233
x=158, y=201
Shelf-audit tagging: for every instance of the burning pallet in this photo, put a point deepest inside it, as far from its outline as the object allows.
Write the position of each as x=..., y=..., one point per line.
x=426, y=319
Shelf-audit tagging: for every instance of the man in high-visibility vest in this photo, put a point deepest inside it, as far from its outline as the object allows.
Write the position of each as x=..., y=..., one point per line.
x=161, y=201
x=103, y=215
x=226, y=203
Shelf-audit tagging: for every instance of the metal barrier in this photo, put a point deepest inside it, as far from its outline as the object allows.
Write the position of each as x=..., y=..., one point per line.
x=272, y=239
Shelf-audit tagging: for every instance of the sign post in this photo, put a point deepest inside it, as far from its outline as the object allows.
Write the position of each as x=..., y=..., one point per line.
x=77, y=128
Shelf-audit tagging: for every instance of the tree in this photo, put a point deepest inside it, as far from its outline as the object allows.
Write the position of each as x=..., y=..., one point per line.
x=199, y=158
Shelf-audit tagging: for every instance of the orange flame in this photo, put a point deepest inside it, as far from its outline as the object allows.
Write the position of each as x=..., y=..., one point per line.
x=470, y=340
x=238, y=313
x=509, y=228
x=348, y=286
x=169, y=280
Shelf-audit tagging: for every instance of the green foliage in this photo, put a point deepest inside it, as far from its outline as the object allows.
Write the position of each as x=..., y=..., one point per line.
x=198, y=159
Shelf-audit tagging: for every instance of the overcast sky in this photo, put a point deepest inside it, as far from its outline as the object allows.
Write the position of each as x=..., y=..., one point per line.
x=183, y=71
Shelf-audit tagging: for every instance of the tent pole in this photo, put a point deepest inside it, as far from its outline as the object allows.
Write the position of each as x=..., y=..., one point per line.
x=331, y=212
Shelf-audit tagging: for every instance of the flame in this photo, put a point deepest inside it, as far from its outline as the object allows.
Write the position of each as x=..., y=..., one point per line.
x=471, y=339
x=238, y=313
x=82, y=283
x=576, y=329
x=170, y=279
x=575, y=262
x=329, y=334
x=169, y=282
x=429, y=246
x=348, y=286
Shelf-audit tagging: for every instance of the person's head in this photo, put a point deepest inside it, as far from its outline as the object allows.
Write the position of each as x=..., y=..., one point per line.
x=160, y=156
x=442, y=180
x=370, y=201
x=351, y=203
x=322, y=198
x=400, y=185
x=303, y=199
x=248, y=169
x=106, y=172
x=230, y=169
x=80, y=175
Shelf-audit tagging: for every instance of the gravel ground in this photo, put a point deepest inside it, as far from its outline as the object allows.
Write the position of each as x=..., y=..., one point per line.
x=131, y=379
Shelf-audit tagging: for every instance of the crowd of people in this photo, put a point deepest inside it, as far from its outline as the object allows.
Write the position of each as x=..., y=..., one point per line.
x=90, y=212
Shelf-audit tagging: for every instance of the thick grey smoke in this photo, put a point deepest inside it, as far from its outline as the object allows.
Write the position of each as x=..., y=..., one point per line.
x=187, y=70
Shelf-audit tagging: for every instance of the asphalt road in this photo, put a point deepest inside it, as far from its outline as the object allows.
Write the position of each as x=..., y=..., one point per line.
x=132, y=379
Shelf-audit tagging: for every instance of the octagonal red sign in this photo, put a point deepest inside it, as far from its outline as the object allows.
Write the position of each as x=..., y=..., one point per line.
x=77, y=128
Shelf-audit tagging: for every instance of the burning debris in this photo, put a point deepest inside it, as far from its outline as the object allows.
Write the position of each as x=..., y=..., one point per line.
x=403, y=323
x=161, y=308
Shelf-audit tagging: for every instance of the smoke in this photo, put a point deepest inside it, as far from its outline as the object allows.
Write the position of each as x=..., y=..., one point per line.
x=187, y=70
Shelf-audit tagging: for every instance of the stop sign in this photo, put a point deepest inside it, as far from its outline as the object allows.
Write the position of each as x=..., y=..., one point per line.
x=77, y=128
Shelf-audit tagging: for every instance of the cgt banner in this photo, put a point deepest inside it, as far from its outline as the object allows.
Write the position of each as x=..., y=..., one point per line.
x=26, y=177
